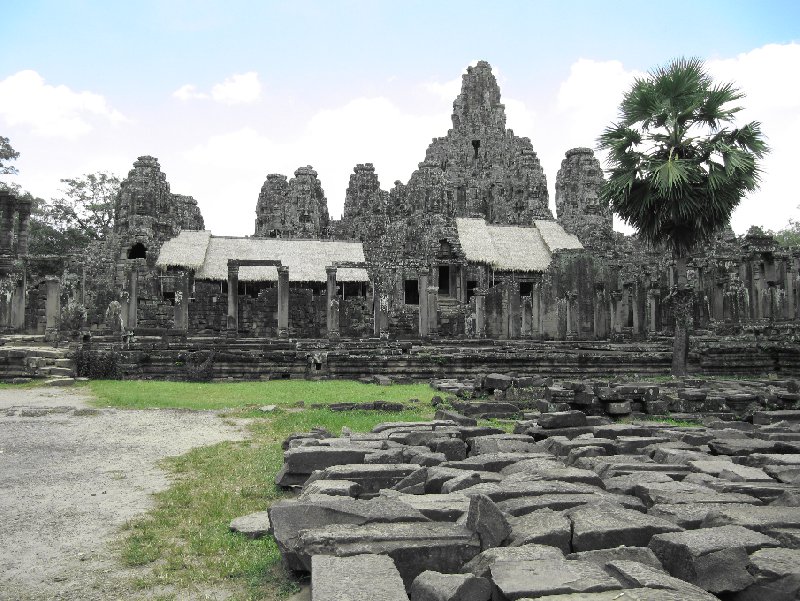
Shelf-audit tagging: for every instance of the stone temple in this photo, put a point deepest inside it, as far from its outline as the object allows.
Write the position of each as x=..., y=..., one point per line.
x=466, y=250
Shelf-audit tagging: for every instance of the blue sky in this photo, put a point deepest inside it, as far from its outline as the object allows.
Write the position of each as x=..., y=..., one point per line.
x=224, y=93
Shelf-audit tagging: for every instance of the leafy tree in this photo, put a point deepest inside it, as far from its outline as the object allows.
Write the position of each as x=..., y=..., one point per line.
x=87, y=205
x=678, y=167
x=7, y=153
x=790, y=235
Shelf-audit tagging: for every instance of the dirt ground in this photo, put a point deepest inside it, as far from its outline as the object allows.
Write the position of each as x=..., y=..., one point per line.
x=71, y=476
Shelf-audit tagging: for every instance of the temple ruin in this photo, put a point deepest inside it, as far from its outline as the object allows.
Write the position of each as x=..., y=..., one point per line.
x=466, y=250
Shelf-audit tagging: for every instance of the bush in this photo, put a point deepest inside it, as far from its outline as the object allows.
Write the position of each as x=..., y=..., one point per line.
x=98, y=365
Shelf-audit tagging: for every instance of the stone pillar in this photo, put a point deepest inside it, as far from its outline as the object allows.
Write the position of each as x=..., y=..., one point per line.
x=182, y=305
x=525, y=321
x=332, y=320
x=755, y=292
x=536, y=311
x=233, y=298
x=422, y=286
x=514, y=309
x=6, y=223
x=24, y=212
x=788, y=285
x=568, y=300
x=133, y=301
x=505, y=312
x=52, y=307
x=652, y=295
x=480, y=313
x=283, y=302
x=18, y=303
x=433, y=309
x=383, y=316
x=376, y=310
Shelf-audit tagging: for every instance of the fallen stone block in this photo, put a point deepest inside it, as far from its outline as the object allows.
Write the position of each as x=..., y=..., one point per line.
x=415, y=548
x=533, y=579
x=562, y=419
x=254, y=525
x=487, y=521
x=633, y=574
x=543, y=527
x=503, y=443
x=523, y=505
x=545, y=469
x=496, y=381
x=761, y=418
x=481, y=564
x=652, y=493
x=601, y=557
x=715, y=559
x=688, y=515
x=490, y=462
x=606, y=525
x=777, y=576
x=433, y=586
x=760, y=519
x=632, y=594
x=626, y=484
x=748, y=446
x=732, y=471
x=290, y=516
x=358, y=578
x=438, y=476
x=343, y=488
x=372, y=478
x=435, y=507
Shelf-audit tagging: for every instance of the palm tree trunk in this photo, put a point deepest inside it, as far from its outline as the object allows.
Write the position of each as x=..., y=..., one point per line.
x=682, y=310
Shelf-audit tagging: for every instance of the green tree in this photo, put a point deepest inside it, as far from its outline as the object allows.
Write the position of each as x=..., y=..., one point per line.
x=788, y=236
x=87, y=205
x=678, y=167
x=7, y=153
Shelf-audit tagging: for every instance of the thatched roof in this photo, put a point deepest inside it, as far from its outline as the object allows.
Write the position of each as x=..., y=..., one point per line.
x=306, y=259
x=510, y=247
x=187, y=250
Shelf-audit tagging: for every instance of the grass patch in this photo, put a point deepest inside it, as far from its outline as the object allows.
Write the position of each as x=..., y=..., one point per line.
x=184, y=541
x=224, y=395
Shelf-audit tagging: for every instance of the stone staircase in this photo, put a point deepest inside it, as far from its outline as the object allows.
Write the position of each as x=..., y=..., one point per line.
x=30, y=357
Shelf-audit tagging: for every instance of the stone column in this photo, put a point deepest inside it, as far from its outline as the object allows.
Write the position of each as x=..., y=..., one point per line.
x=233, y=298
x=652, y=325
x=283, y=302
x=480, y=313
x=527, y=313
x=6, y=223
x=789, y=288
x=422, y=286
x=376, y=310
x=133, y=301
x=52, y=307
x=182, y=306
x=24, y=212
x=383, y=316
x=755, y=291
x=514, y=309
x=505, y=312
x=18, y=302
x=332, y=320
x=433, y=308
x=536, y=311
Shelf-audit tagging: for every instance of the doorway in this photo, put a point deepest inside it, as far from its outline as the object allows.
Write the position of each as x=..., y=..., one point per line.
x=444, y=280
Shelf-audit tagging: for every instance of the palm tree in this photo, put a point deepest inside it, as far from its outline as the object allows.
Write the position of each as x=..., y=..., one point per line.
x=678, y=167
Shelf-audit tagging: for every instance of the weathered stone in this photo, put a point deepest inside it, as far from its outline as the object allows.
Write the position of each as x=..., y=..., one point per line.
x=606, y=525
x=522, y=579
x=436, y=507
x=481, y=564
x=633, y=574
x=487, y=521
x=289, y=517
x=370, y=477
x=497, y=382
x=415, y=548
x=358, y=578
x=456, y=417
x=563, y=419
x=714, y=559
x=761, y=519
x=601, y=557
x=433, y=586
x=544, y=527
x=688, y=515
x=652, y=493
x=777, y=576
x=523, y=505
x=254, y=525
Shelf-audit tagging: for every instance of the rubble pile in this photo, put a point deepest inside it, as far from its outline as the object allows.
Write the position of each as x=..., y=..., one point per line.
x=570, y=506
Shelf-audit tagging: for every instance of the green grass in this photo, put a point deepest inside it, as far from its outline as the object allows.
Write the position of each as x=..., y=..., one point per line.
x=190, y=395
x=184, y=542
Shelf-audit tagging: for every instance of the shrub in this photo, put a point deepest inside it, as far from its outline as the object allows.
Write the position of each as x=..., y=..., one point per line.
x=98, y=365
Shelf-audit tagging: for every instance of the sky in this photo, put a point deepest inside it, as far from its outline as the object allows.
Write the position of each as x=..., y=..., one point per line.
x=225, y=92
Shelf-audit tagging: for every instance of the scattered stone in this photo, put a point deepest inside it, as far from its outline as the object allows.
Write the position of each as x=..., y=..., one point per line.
x=359, y=578
x=254, y=525
x=433, y=586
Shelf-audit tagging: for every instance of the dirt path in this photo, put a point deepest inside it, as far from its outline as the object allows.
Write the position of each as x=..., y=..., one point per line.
x=70, y=476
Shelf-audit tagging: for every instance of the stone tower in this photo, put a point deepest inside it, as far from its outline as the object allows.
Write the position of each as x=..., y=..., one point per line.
x=364, y=203
x=293, y=209
x=579, y=209
x=484, y=169
x=146, y=211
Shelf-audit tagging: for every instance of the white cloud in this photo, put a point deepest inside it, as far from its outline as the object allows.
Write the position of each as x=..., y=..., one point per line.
x=240, y=88
x=188, y=92
x=52, y=111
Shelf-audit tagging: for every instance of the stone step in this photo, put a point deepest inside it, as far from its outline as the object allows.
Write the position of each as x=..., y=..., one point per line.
x=57, y=371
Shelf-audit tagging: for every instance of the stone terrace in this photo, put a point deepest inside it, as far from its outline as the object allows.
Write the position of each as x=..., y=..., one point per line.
x=567, y=507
